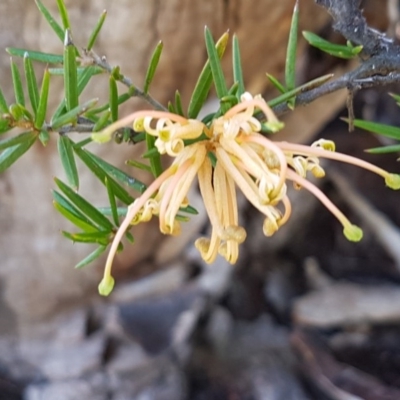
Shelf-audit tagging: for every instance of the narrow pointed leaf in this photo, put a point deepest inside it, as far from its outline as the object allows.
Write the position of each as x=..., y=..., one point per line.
x=118, y=174
x=113, y=203
x=389, y=131
x=51, y=21
x=71, y=116
x=33, y=89
x=96, y=30
x=44, y=137
x=290, y=65
x=36, y=55
x=178, y=103
x=87, y=159
x=205, y=80
x=91, y=257
x=151, y=70
x=237, y=66
x=154, y=158
x=189, y=210
x=90, y=211
x=171, y=108
x=4, y=126
x=333, y=49
x=138, y=165
x=87, y=224
x=11, y=154
x=215, y=64
x=276, y=83
x=300, y=89
x=14, y=140
x=98, y=237
x=17, y=84
x=121, y=99
x=3, y=103
x=102, y=122
x=84, y=76
x=70, y=73
x=63, y=14
x=80, y=70
x=394, y=148
x=73, y=218
x=43, y=98
x=113, y=98
x=65, y=150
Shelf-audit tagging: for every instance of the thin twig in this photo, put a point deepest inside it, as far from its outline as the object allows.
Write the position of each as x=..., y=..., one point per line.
x=102, y=63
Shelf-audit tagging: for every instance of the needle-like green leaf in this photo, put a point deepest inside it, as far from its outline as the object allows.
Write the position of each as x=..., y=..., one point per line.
x=3, y=103
x=205, y=80
x=96, y=30
x=90, y=211
x=300, y=89
x=337, y=50
x=178, y=103
x=121, y=99
x=99, y=237
x=138, y=165
x=51, y=21
x=70, y=73
x=389, y=131
x=11, y=154
x=78, y=218
x=102, y=122
x=88, y=159
x=63, y=14
x=66, y=152
x=113, y=203
x=84, y=76
x=118, y=174
x=43, y=98
x=290, y=65
x=71, y=116
x=17, y=84
x=4, y=126
x=237, y=66
x=151, y=70
x=394, y=148
x=113, y=98
x=36, y=55
x=91, y=257
x=33, y=89
x=44, y=137
x=74, y=218
x=14, y=140
x=153, y=156
x=276, y=83
x=215, y=64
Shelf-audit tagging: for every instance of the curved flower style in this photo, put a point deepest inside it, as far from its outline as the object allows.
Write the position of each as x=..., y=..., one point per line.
x=230, y=152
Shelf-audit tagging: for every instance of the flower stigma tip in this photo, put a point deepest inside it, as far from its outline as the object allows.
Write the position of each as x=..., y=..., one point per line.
x=353, y=233
x=393, y=181
x=106, y=285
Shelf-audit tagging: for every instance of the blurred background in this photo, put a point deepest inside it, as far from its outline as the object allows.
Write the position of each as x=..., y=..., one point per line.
x=303, y=315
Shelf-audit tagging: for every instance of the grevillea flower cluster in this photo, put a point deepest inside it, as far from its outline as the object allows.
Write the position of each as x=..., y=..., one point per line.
x=228, y=154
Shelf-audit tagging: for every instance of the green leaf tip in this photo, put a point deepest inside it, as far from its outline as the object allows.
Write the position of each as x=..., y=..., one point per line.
x=106, y=285
x=353, y=233
x=393, y=181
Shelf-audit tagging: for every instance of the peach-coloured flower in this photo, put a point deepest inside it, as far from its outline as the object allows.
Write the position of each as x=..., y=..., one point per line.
x=227, y=153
